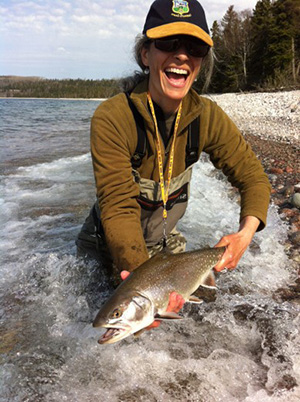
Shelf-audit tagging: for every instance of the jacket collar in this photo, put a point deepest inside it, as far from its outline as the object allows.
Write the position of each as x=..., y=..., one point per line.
x=191, y=107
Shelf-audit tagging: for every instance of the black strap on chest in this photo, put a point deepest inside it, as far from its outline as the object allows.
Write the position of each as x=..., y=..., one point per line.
x=141, y=147
x=192, y=146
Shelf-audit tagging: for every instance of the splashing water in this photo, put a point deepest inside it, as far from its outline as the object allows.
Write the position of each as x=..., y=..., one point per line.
x=243, y=347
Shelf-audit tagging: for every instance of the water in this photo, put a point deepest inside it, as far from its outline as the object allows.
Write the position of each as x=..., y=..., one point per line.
x=243, y=347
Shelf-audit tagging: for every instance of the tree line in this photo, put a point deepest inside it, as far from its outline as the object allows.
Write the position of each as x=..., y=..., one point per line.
x=259, y=49
x=66, y=88
x=253, y=50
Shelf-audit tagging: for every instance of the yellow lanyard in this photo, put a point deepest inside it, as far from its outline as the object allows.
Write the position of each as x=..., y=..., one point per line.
x=164, y=192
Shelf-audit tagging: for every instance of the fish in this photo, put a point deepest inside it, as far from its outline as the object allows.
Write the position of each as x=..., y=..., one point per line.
x=144, y=295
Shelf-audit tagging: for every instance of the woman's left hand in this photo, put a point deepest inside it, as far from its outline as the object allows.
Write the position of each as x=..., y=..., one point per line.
x=237, y=243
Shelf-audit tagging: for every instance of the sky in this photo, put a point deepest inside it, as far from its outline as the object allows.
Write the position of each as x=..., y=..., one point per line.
x=88, y=39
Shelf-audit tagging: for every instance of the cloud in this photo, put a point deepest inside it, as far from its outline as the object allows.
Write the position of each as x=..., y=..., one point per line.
x=96, y=36
x=66, y=16
x=61, y=50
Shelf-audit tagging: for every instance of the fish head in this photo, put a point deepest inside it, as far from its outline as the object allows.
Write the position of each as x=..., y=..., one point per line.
x=124, y=314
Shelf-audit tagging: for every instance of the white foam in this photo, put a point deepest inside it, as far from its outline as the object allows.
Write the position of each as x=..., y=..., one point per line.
x=220, y=352
x=61, y=170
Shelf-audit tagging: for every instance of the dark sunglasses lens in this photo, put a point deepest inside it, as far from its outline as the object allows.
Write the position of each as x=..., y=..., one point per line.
x=167, y=45
x=197, y=49
x=194, y=47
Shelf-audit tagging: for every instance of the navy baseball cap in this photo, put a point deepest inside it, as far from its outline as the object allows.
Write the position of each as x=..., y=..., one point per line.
x=177, y=17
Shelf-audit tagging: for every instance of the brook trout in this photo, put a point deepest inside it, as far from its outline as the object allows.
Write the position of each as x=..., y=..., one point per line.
x=144, y=295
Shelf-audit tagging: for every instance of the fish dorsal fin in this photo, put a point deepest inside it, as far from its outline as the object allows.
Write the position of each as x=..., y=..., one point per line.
x=167, y=315
x=195, y=299
x=210, y=281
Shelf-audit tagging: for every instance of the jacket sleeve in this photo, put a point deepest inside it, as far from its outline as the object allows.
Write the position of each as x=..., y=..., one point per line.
x=230, y=152
x=111, y=147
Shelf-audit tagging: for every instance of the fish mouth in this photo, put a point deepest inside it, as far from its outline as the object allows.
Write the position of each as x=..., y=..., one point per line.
x=112, y=335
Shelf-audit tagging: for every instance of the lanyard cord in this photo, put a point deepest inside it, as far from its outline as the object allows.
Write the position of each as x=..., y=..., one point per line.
x=164, y=191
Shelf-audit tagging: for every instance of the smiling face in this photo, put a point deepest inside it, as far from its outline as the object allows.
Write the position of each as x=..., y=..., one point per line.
x=171, y=75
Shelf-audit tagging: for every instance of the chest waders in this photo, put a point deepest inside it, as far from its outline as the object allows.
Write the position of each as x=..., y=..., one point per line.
x=91, y=239
x=151, y=199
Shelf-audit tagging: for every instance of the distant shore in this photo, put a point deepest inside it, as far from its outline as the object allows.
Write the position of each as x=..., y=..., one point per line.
x=75, y=99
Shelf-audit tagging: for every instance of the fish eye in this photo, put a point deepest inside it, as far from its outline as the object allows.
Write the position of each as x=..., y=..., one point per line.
x=117, y=313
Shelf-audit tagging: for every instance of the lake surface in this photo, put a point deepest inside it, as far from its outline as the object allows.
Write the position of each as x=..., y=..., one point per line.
x=245, y=346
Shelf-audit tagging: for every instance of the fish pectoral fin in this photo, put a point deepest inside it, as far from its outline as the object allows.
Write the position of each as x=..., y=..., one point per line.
x=195, y=299
x=210, y=281
x=168, y=315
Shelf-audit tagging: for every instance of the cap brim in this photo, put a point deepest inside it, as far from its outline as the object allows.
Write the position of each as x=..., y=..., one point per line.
x=179, y=28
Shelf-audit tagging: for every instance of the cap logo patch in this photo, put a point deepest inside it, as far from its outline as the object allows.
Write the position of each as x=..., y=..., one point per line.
x=180, y=7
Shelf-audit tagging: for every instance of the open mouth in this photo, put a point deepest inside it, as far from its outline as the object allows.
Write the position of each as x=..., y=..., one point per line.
x=113, y=335
x=176, y=76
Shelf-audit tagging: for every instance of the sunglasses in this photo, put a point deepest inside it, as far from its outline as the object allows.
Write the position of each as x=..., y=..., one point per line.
x=194, y=47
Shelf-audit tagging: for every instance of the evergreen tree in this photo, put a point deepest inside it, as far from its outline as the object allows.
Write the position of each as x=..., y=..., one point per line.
x=281, y=52
x=262, y=25
x=287, y=53
x=232, y=46
x=230, y=27
x=275, y=35
x=218, y=74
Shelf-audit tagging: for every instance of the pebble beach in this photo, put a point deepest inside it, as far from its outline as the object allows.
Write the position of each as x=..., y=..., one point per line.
x=270, y=122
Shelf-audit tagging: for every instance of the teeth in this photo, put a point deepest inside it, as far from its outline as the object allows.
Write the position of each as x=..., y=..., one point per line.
x=176, y=71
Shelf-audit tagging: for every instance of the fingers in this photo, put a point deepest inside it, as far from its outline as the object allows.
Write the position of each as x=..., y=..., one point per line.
x=236, y=244
x=227, y=261
x=223, y=242
x=124, y=274
x=176, y=302
x=227, y=257
x=233, y=253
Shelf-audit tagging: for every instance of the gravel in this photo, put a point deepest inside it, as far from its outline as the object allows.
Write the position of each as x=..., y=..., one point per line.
x=270, y=123
x=268, y=115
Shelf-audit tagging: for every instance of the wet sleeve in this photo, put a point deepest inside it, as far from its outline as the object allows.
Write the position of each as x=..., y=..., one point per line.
x=116, y=190
x=230, y=152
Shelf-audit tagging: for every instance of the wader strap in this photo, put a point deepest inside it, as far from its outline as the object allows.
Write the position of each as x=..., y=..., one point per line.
x=97, y=222
x=192, y=145
x=140, y=151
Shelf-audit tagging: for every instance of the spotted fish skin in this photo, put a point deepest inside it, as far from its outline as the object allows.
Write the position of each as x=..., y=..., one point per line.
x=144, y=295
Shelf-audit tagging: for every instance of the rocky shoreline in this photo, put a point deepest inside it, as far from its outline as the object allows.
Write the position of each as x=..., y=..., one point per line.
x=281, y=163
x=272, y=126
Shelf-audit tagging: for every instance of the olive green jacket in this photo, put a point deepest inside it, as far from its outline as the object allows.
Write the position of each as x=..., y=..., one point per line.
x=113, y=142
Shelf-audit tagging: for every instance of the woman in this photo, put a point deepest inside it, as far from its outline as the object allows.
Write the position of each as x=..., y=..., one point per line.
x=141, y=196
